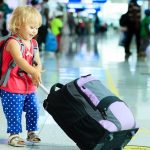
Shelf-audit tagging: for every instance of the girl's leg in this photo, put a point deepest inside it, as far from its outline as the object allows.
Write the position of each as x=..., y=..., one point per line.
x=12, y=107
x=31, y=107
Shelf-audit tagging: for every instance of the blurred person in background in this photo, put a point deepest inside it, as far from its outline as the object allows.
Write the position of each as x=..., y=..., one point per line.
x=56, y=26
x=44, y=10
x=96, y=24
x=133, y=27
x=4, y=11
x=35, y=4
x=145, y=32
x=71, y=23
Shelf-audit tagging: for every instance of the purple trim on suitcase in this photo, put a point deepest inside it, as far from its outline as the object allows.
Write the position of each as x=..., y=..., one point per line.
x=121, y=111
x=84, y=80
x=108, y=125
x=91, y=96
x=88, y=93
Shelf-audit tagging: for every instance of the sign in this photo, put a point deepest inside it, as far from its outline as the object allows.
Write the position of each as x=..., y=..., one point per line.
x=74, y=1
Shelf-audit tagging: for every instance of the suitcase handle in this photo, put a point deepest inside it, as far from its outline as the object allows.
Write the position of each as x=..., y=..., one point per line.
x=57, y=85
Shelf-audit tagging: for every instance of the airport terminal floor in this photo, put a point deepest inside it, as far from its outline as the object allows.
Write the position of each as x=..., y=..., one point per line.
x=102, y=57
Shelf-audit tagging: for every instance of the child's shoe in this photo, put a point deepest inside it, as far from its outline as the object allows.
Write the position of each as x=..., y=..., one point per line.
x=32, y=137
x=16, y=140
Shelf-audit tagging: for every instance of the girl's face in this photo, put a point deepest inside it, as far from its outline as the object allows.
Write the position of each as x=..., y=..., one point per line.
x=29, y=31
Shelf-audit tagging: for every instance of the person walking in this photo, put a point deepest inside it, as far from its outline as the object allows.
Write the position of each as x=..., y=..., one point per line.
x=133, y=27
x=19, y=94
x=56, y=26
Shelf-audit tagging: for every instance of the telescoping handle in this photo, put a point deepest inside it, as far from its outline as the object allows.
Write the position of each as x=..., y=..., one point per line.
x=44, y=88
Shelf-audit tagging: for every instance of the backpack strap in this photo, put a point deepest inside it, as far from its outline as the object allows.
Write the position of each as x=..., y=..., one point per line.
x=5, y=77
x=12, y=64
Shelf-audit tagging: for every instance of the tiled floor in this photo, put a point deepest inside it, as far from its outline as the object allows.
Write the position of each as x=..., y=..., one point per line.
x=101, y=56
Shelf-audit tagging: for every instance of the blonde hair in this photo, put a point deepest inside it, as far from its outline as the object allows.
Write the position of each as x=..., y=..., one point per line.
x=23, y=15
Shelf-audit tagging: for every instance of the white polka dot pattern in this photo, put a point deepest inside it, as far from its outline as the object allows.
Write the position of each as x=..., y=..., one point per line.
x=14, y=105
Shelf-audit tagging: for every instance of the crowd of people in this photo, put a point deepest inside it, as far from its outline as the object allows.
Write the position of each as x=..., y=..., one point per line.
x=130, y=22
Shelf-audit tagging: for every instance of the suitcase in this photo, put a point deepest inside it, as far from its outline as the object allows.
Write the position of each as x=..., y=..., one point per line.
x=79, y=119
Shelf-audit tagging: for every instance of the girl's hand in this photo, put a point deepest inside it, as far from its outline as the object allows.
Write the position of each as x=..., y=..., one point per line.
x=36, y=77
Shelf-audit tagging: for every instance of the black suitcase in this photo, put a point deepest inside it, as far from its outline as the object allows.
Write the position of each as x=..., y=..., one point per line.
x=71, y=115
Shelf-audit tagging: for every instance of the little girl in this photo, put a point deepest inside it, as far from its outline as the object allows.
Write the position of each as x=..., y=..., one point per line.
x=18, y=94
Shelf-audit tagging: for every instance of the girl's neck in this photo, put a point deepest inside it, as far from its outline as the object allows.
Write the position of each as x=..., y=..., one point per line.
x=21, y=38
x=26, y=42
x=17, y=34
